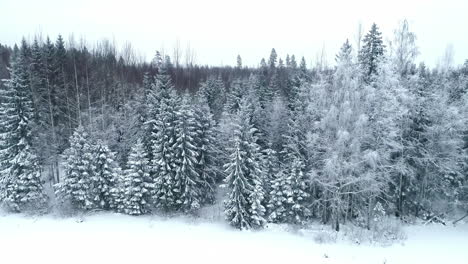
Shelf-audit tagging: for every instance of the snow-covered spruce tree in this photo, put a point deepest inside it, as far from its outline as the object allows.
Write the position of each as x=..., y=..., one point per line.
x=255, y=85
x=263, y=77
x=289, y=197
x=295, y=134
x=237, y=207
x=257, y=208
x=303, y=74
x=163, y=145
x=187, y=185
x=268, y=158
x=293, y=197
x=239, y=62
x=118, y=193
x=22, y=187
x=280, y=198
x=293, y=62
x=61, y=85
x=294, y=77
x=78, y=187
x=207, y=148
x=151, y=109
x=190, y=178
x=244, y=208
x=266, y=86
x=137, y=184
x=273, y=59
x=257, y=114
x=38, y=81
x=273, y=87
x=214, y=91
x=105, y=177
x=276, y=123
x=234, y=96
x=371, y=52
x=225, y=126
x=299, y=204
x=270, y=167
x=8, y=119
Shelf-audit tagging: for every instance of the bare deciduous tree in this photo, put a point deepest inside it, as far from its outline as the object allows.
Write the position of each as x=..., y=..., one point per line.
x=403, y=49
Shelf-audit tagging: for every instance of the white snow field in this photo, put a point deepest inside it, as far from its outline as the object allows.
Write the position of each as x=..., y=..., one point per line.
x=113, y=238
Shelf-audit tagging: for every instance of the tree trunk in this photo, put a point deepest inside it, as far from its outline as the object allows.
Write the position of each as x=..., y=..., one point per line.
x=369, y=213
x=78, y=108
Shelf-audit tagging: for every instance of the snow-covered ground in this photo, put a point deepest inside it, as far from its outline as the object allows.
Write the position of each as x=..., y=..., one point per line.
x=113, y=238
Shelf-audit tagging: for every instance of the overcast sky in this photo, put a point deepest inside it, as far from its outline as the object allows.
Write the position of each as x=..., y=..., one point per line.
x=219, y=30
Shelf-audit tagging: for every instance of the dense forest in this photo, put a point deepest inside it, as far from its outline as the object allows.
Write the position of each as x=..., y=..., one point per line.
x=97, y=129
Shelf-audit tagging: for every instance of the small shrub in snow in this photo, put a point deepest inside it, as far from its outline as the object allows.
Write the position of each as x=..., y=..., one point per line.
x=386, y=232
x=325, y=236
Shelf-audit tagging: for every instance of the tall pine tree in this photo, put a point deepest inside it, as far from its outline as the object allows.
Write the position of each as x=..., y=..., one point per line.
x=244, y=208
x=187, y=185
x=163, y=145
x=22, y=185
x=371, y=52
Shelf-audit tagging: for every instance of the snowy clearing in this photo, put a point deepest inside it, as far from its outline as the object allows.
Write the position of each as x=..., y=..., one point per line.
x=114, y=238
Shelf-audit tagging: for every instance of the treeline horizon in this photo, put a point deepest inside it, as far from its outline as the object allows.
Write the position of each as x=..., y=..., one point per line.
x=374, y=136
x=184, y=55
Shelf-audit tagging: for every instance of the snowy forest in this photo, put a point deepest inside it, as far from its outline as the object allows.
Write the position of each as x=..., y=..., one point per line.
x=375, y=134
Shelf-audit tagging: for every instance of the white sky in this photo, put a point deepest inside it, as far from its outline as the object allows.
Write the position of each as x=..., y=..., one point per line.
x=219, y=30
